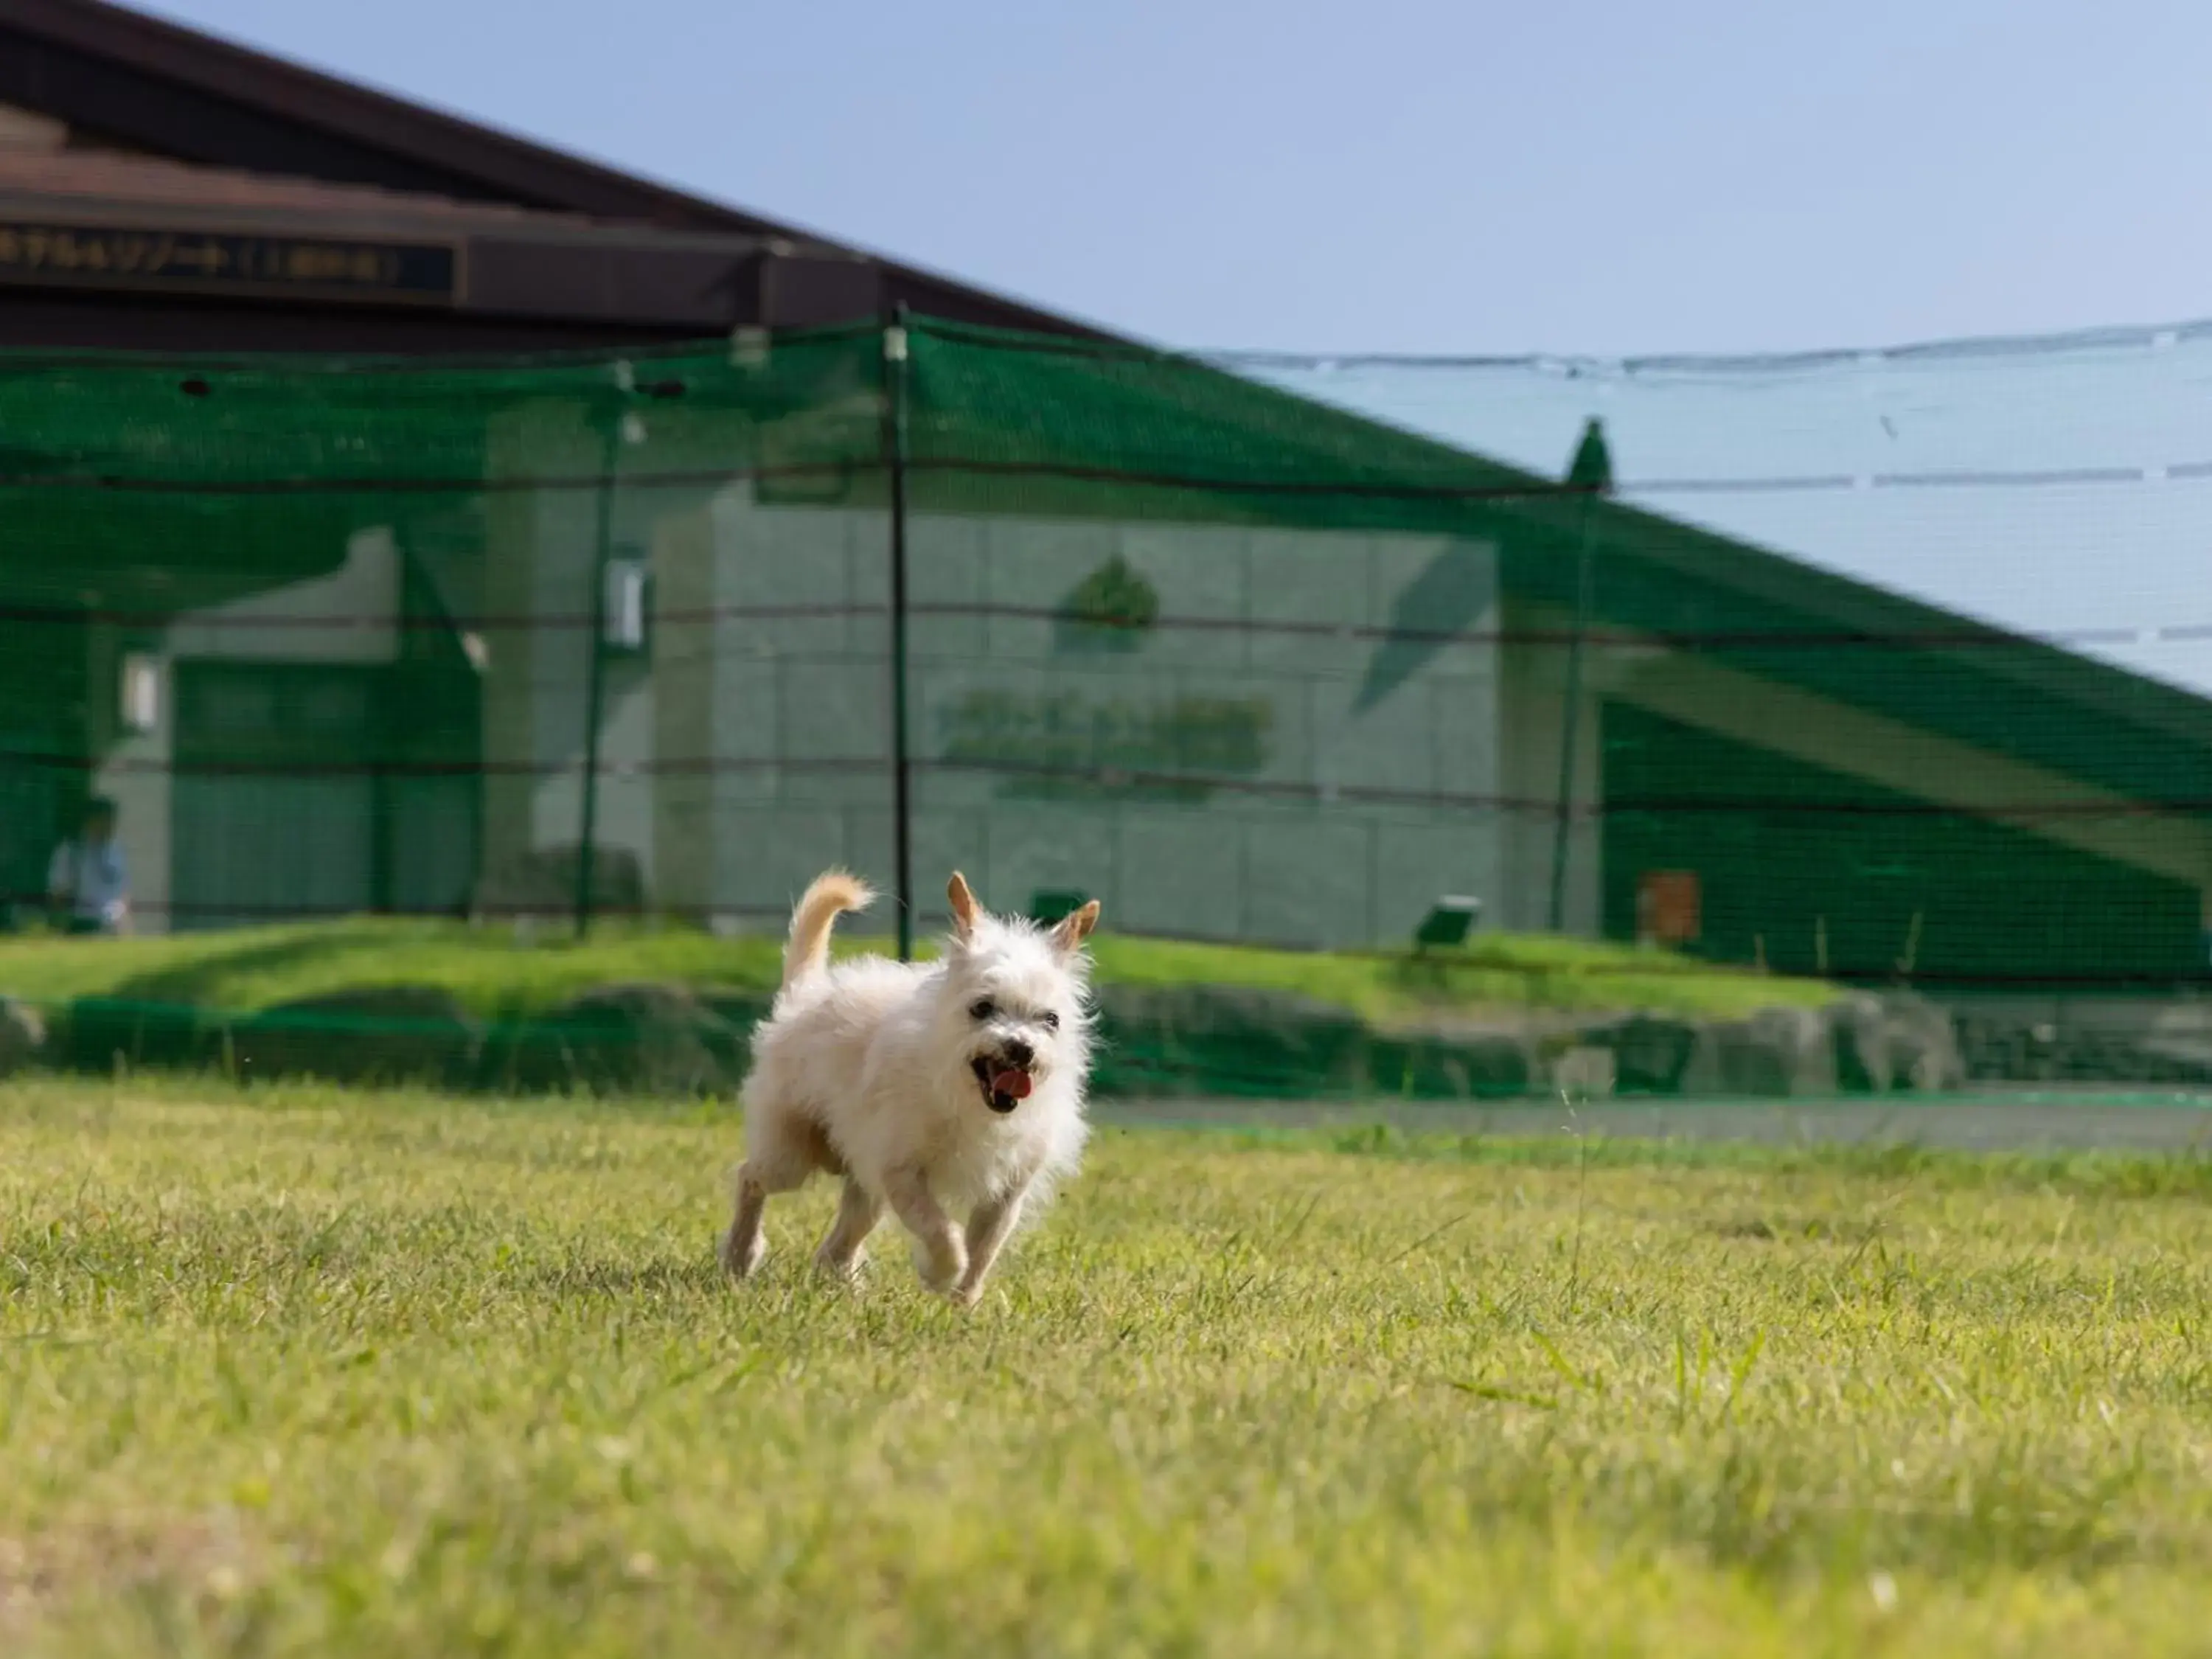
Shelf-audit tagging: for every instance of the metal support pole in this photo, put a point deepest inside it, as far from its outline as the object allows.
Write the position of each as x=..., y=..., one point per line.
x=1569, y=723
x=1592, y=472
x=895, y=445
x=595, y=675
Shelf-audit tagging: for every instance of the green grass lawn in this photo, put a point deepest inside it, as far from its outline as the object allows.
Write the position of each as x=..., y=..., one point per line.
x=496, y=974
x=318, y=1373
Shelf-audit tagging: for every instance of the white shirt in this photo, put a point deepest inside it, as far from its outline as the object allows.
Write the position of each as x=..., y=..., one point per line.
x=91, y=879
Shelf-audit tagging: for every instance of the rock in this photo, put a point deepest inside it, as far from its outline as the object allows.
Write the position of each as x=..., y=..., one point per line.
x=1895, y=1041
x=372, y=1033
x=1237, y=1041
x=1861, y=1035
x=2006, y=1047
x=1481, y=1065
x=1226, y=1040
x=102, y=1034
x=647, y=1038
x=22, y=1036
x=1585, y=1071
x=1777, y=1051
x=2163, y=1041
x=1651, y=1052
x=2172, y=1044
x=1924, y=1045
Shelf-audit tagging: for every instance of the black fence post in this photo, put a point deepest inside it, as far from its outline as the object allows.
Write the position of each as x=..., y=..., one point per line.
x=595, y=674
x=1590, y=471
x=895, y=445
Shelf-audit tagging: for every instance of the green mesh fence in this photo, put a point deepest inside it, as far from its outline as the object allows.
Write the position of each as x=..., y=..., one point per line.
x=478, y=722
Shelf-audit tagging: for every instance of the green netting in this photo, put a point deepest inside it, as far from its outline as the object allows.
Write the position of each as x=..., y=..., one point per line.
x=404, y=676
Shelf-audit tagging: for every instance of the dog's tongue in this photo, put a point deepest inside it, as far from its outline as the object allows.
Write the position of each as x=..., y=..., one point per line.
x=1015, y=1086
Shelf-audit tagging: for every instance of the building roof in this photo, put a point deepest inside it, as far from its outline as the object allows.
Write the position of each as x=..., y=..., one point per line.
x=143, y=84
x=2058, y=485
x=93, y=180
x=162, y=87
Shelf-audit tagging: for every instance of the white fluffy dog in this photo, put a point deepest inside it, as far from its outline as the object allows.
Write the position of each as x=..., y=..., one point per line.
x=936, y=1090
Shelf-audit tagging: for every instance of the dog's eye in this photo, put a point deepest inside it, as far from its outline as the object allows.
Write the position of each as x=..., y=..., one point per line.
x=1049, y=1020
x=983, y=1010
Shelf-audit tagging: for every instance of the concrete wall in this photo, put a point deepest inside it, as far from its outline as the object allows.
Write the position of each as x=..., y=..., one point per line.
x=350, y=617
x=772, y=696
x=540, y=572
x=1534, y=674
x=135, y=774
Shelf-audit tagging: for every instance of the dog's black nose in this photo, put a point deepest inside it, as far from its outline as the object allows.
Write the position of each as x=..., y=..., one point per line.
x=1019, y=1053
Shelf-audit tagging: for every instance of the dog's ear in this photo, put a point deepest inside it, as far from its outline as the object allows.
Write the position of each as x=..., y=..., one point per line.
x=966, y=913
x=1075, y=927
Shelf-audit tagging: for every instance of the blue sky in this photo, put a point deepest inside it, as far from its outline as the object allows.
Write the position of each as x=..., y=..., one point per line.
x=1600, y=176
x=1590, y=180
x=2061, y=487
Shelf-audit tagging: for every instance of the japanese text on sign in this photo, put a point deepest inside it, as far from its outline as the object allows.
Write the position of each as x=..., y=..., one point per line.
x=70, y=254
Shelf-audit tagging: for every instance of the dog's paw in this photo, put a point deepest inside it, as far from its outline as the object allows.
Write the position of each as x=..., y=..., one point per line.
x=941, y=1278
x=742, y=1260
x=942, y=1265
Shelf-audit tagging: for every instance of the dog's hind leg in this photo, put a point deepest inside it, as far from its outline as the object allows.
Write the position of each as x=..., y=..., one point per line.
x=764, y=1175
x=988, y=1230
x=857, y=1212
x=940, y=1252
x=743, y=1247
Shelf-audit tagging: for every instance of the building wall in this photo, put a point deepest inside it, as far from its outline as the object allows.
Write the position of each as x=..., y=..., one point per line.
x=541, y=564
x=275, y=781
x=1361, y=769
x=347, y=618
x=1375, y=726
x=1534, y=675
x=1954, y=858
x=1843, y=876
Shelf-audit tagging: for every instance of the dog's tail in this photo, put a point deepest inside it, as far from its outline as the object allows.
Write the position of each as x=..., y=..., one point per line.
x=832, y=895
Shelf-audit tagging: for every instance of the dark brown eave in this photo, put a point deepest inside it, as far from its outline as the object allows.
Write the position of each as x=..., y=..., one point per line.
x=177, y=92
x=508, y=265
x=157, y=87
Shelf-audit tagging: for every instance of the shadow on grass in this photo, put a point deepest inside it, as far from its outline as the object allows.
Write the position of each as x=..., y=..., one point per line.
x=173, y=1015
x=190, y=983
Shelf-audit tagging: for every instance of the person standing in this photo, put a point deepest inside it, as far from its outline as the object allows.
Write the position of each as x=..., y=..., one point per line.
x=85, y=884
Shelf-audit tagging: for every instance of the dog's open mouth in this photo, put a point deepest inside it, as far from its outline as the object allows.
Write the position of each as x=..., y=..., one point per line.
x=1003, y=1087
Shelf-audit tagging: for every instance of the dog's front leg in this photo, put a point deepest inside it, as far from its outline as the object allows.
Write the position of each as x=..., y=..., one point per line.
x=857, y=1215
x=943, y=1256
x=988, y=1230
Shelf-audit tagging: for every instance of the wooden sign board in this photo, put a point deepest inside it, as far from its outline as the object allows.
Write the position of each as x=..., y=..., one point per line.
x=248, y=265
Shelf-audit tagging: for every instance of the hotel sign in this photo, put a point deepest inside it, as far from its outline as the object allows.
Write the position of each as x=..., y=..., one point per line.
x=45, y=255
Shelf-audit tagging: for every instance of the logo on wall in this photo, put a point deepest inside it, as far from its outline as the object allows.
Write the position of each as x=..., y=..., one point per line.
x=1109, y=610
x=1062, y=746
